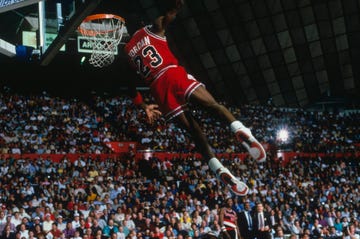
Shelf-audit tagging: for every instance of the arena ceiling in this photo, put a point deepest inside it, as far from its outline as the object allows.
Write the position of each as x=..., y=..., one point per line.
x=292, y=52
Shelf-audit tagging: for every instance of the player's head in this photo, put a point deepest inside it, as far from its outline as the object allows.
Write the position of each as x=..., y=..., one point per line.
x=134, y=22
x=229, y=201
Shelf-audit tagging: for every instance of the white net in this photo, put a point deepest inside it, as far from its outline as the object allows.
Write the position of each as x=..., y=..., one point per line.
x=104, y=32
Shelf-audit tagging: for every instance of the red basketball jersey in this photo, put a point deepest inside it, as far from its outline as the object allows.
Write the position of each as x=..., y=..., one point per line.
x=149, y=54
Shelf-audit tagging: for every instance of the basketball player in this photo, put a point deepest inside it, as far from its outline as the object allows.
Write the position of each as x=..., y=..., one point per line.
x=228, y=220
x=172, y=88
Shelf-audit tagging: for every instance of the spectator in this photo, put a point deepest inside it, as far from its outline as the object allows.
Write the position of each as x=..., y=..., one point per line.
x=279, y=233
x=8, y=233
x=38, y=232
x=77, y=235
x=10, y=223
x=76, y=221
x=47, y=224
x=261, y=223
x=245, y=221
x=24, y=232
x=129, y=222
x=333, y=234
x=350, y=232
x=110, y=228
x=121, y=234
x=69, y=231
x=317, y=229
x=55, y=232
x=61, y=224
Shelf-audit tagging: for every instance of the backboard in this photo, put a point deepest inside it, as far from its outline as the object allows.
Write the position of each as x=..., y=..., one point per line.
x=8, y=5
x=35, y=25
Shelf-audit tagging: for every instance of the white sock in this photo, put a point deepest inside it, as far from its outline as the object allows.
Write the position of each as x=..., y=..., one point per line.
x=215, y=164
x=236, y=125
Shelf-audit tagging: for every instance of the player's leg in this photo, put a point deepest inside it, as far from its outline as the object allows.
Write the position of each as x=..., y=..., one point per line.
x=243, y=134
x=187, y=121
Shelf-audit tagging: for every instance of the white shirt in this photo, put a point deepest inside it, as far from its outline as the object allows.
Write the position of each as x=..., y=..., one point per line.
x=24, y=233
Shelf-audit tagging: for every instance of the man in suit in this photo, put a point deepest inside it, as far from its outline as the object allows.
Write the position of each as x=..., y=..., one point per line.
x=261, y=222
x=245, y=222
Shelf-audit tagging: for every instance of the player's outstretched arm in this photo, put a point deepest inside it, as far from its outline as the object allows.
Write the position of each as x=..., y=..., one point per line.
x=161, y=23
x=152, y=110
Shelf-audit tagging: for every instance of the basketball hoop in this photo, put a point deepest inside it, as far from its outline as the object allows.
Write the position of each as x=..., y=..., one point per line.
x=104, y=32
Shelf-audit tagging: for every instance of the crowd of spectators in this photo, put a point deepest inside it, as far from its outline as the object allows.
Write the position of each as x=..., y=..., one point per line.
x=122, y=198
x=152, y=199
x=45, y=124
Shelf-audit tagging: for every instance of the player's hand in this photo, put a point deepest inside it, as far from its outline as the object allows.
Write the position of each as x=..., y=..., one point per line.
x=152, y=112
x=179, y=4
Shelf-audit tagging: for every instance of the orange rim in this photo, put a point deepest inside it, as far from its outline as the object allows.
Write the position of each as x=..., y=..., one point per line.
x=90, y=32
x=102, y=16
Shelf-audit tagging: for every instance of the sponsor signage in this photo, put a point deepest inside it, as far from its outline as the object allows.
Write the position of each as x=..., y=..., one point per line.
x=86, y=46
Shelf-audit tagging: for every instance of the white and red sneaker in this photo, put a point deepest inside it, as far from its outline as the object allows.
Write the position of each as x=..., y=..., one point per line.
x=235, y=185
x=255, y=149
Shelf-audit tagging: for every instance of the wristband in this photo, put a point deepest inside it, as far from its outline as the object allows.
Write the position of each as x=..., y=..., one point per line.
x=223, y=228
x=137, y=100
